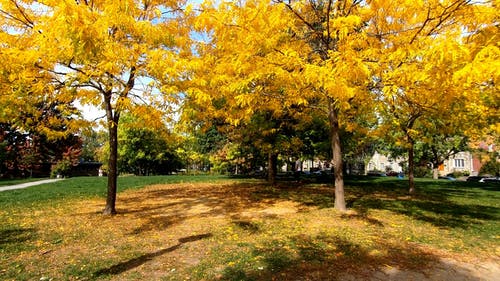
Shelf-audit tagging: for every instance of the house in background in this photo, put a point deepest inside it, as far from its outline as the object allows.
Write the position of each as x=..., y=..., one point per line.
x=466, y=161
x=463, y=162
x=384, y=163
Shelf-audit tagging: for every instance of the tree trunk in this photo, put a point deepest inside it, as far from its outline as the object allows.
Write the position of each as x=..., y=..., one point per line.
x=435, y=171
x=112, y=171
x=272, y=162
x=411, y=167
x=113, y=156
x=337, y=159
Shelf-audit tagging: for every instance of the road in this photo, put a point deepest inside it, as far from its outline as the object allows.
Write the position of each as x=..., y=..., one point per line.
x=27, y=184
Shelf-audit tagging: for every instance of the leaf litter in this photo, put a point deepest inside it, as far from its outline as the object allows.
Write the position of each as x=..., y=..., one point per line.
x=230, y=230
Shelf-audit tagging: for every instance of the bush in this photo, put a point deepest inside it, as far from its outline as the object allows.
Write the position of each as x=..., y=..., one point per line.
x=458, y=174
x=62, y=168
x=422, y=172
x=492, y=167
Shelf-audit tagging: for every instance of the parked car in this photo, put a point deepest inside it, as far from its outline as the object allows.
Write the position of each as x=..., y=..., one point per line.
x=376, y=174
x=393, y=174
x=475, y=178
x=450, y=178
x=490, y=180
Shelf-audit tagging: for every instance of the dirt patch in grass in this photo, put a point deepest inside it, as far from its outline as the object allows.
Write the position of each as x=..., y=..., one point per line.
x=232, y=231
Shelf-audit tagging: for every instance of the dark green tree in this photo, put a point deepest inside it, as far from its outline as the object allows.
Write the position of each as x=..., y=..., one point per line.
x=145, y=150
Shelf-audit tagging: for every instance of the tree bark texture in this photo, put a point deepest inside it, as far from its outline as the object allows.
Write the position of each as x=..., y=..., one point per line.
x=411, y=166
x=337, y=159
x=113, y=157
x=435, y=172
x=272, y=163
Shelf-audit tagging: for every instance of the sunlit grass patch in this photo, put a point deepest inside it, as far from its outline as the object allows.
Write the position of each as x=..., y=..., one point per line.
x=285, y=247
x=224, y=229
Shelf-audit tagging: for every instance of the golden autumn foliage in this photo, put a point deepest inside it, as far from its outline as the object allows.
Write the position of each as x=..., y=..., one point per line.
x=278, y=56
x=421, y=59
x=412, y=64
x=108, y=54
x=406, y=60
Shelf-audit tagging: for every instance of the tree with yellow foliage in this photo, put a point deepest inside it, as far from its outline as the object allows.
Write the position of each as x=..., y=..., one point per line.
x=342, y=58
x=424, y=47
x=273, y=56
x=480, y=77
x=109, y=54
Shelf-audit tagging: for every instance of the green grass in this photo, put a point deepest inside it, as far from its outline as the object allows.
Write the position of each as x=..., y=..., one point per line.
x=464, y=209
x=468, y=212
x=239, y=241
x=86, y=187
x=459, y=217
x=474, y=207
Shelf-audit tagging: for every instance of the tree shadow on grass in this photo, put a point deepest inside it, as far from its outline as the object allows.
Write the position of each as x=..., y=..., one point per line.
x=433, y=202
x=315, y=258
x=440, y=213
x=426, y=188
x=138, y=261
x=162, y=208
x=336, y=258
x=246, y=225
x=15, y=236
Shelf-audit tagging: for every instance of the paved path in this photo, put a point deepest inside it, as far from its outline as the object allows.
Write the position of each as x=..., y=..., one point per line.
x=28, y=184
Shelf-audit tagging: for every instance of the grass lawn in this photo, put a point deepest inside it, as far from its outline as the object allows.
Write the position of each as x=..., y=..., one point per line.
x=216, y=228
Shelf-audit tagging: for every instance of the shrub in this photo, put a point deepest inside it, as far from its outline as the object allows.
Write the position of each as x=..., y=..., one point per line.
x=492, y=167
x=62, y=168
x=422, y=172
x=457, y=174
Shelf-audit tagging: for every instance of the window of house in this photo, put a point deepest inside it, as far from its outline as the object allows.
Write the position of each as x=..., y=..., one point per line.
x=459, y=163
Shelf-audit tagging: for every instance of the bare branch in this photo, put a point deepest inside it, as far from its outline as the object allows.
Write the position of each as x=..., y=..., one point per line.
x=10, y=16
x=302, y=19
x=427, y=20
x=328, y=10
x=25, y=16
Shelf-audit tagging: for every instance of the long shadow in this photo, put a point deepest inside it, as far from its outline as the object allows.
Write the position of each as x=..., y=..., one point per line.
x=431, y=204
x=135, y=262
x=157, y=212
x=15, y=235
x=310, y=257
x=438, y=213
x=337, y=258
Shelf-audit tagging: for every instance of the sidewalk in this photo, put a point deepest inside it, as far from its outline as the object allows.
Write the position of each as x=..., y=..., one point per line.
x=28, y=184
